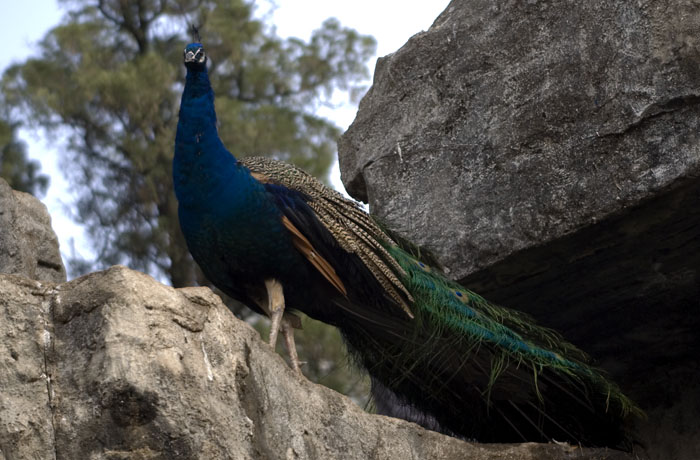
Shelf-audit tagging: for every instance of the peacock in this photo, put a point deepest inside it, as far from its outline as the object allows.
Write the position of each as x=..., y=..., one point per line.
x=273, y=237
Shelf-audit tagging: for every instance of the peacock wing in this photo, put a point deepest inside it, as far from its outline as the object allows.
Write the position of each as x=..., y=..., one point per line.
x=350, y=227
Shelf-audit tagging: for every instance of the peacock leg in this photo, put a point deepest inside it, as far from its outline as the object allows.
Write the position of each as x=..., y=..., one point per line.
x=275, y=299
x=280, y=321
x=288, y=333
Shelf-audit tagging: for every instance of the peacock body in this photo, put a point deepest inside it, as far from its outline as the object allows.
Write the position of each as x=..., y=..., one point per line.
x=437, y=354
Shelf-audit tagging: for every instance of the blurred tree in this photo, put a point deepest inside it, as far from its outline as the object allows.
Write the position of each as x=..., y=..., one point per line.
x=20, y=172
x=109, y=79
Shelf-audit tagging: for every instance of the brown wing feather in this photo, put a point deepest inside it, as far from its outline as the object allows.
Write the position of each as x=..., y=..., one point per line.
x=306, y=248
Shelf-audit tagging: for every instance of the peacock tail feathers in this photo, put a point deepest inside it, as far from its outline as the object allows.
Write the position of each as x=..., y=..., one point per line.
x=514, y=338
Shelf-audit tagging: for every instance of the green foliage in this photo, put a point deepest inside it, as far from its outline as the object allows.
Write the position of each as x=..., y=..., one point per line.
x=20, y=172
x=110, y=76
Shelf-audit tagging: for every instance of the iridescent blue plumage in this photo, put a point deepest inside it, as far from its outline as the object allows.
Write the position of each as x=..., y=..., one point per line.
x=228, y=217
x=271, y=236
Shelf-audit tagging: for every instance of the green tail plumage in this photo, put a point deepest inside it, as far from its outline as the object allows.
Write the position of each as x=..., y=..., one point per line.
x=450, y=309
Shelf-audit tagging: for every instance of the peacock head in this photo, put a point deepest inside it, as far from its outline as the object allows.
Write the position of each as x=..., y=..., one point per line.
x=195, y=57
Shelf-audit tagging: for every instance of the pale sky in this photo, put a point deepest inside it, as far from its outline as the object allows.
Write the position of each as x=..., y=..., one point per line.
x=391, y=22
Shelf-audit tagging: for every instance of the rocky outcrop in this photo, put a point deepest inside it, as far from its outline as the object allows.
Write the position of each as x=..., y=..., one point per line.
x=548, y=154
x=28, y=244
x=115, y=365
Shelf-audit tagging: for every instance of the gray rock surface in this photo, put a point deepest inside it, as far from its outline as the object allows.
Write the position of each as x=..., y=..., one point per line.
x=548, y=154
x=26, y=430
x=115, y=365
x=28, y=244
x=509, y=124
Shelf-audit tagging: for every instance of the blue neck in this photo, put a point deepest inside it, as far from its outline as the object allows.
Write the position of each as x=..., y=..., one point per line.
x=202, y=165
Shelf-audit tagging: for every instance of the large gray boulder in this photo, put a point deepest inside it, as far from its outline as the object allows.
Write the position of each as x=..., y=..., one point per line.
x=509, y=124
x=548, y=154
x=28, y=244
x=115, y=365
